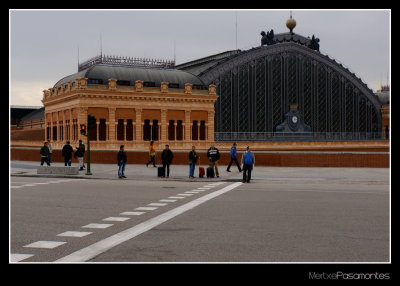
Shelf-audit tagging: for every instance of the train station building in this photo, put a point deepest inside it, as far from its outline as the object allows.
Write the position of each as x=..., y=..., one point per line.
x=283, y=95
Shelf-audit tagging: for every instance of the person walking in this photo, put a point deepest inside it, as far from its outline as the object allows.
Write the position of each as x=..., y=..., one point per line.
x=192, y=161
x=213, y=155
x=233, y=158
x=67, y=153
x=122, y=159
x=166, y=158
x=152, y=154
x=248, y=161
x=44, y=152
x=80, y=152
x=50, y=150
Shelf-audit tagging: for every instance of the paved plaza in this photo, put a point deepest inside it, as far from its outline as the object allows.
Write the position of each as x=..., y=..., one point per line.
x=285, y=214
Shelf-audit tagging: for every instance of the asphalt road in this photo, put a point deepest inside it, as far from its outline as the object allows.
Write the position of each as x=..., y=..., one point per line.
x=283, y=215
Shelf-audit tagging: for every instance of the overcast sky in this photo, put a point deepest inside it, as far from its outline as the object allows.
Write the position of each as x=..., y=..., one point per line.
x=44, y=43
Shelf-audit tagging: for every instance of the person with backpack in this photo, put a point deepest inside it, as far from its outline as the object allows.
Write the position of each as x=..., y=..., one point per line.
x=44, y=152
x=67, y=153
x=166, y=158
x=233, y=158
x=248, y=161
x=192, y=161
x=122, y=159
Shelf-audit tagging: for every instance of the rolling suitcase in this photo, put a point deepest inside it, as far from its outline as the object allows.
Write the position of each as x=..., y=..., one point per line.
x=210, y=172
x=201, y=170
x=161, y=171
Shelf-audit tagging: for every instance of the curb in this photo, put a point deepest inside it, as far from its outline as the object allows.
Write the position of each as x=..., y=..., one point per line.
x=128, y=179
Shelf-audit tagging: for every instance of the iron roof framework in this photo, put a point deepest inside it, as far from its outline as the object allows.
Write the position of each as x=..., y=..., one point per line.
x=257, y=86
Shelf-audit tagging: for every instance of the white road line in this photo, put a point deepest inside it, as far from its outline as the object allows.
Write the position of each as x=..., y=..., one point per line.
x=175, y=197
x=34, y=184
x=192, y=192
x=45, y=244
x=167, y=201
x=320, y=191
x=97, y=248
x=74, y=233
x=132, y=213
x=97, y=225
x=187, y=195
x=157, y=204
x=17, y=257
x=14, y=182
x=146, y=208
x=116, y=218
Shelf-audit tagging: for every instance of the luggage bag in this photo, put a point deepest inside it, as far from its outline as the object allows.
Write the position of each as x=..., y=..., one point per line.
x=161, y=172
x=210, y=172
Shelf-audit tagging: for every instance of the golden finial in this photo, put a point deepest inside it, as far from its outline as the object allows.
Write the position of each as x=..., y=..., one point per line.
x=291, y=23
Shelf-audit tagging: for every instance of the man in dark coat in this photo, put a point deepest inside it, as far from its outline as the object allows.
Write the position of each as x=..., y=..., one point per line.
x=122, y=159
x=166, y=158
x=67, y=153
x=213, y=156
x=44, y=152
x=192, y=161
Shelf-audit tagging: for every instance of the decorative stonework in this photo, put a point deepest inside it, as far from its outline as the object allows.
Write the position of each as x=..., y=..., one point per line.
x=81, y=83
x=139, y=85
x=164, y=87
x=212, y=89
x=188, y=88
x=112, y=84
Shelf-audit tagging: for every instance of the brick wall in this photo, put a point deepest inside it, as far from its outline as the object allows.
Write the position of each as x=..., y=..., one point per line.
x=263, y=158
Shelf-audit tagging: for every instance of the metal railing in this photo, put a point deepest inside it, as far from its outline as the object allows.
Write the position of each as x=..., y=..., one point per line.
x=298, y=136
x=127, y=61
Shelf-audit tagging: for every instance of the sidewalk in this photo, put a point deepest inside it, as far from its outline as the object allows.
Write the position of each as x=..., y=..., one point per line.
x=132, y=172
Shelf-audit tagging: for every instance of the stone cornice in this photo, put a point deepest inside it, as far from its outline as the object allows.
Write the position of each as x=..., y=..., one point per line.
x=148, y=94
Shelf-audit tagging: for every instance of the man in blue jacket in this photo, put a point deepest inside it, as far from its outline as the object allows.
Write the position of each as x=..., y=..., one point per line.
x=233, y=158
x=248, y=161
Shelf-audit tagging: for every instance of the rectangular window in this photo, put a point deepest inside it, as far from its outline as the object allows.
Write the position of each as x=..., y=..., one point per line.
x=123, y=82
x=102, y=130
x=146, y=130
x=129, y=130
x=120, y=130
x=95, y=81
x=149, y=84
x=171, y=130
x=179, y=130
x=173, y=85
